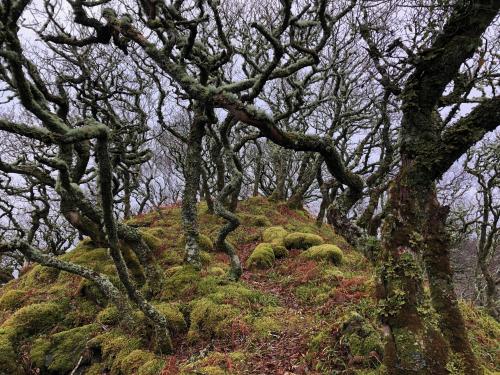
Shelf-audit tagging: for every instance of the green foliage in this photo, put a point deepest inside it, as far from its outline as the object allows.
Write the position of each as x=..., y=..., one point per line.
x=12, y=299
x=326, y=252
x=60, y=352
x=299, y=240
x=261, y=257
x=370, y=246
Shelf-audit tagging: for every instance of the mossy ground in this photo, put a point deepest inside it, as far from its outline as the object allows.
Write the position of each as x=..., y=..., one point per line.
x=301, y=314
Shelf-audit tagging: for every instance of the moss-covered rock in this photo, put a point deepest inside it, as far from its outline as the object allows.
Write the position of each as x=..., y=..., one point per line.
x=134, y=360
x=114, y=347
x=149, y=236
x=361, y=336
x=152, y=367
x=216, y=271
x=59, y=353
x=40, y=275
x=300, y=240
x=274, y=235
x=209, y=319
x=261, y=257
x=326, y=252
x=239, y=295
x=255, y=220
x=109, y=316
x=12, y=299
x=9, y=360
x=35, y=318
x=174, y=316
x=180, y=281
x=279, y=251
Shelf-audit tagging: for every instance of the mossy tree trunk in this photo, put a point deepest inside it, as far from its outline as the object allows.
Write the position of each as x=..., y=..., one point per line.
x=192, y=173
x=231, y=189
x=414, y=221
x=414, y=344
x=444, y=300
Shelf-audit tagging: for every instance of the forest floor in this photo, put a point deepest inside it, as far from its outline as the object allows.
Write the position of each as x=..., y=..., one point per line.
x=295, y=314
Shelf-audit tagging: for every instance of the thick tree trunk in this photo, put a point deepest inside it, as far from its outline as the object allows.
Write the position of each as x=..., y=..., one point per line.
x=425, y=335
x=444, y=300
x=192, y=172
x=414, y=344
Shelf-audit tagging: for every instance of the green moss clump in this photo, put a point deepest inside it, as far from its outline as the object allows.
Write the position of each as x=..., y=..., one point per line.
x=34, y=318
x=266, y=325
x=212, y=370
x=299, y=240
x=261, y=257
x=204, y=242
x=332, y=276
x=279, y=251
x=172, y=257
x=115, y=346
x=12, y=299
x=109, y=316
x=210, y=320
x=274, y=235
x=181, y=281
x=60, y=352
x=152, y=367
x=173, y=314
x=134, y=360
x=9, y=361
x=149, y=236
x=206, y=258
x=324, y=252
x=360, y=335
x=484, y=332
x=256, y=220
x=239, y=295
x=91, y=291
x=40, y=275
x=216, y=271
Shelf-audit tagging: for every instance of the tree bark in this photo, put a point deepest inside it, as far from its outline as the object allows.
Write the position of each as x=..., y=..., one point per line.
x=192, y=172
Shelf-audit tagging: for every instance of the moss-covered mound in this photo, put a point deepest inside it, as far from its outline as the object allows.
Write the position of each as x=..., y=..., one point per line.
x=298, y=240
x=327, y=252
x=262, y=257
x=311, y=310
